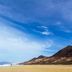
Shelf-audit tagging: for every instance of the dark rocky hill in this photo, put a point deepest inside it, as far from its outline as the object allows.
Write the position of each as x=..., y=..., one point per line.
x=65, y=52
x=64, y=56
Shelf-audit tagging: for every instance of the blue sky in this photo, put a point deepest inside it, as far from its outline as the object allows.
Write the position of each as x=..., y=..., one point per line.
x=29, y=28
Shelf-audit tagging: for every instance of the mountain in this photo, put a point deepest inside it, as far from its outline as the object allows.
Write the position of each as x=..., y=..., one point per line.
x=63, y=56
x=65, y=52
x=4, y=63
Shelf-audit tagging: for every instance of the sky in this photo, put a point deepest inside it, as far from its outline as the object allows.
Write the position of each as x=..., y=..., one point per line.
x=29, y=28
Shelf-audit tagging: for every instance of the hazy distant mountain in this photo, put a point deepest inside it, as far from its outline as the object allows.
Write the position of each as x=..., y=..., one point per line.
x=64, y=56
x=4, y=63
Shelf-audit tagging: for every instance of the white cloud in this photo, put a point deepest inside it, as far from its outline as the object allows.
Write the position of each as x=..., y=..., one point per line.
x=48, y=43
x=45, y=27
x=11, y=39
x=59, y=23
x=64, y=28
x=46, y=33
x=68, y=31
x=45, y=30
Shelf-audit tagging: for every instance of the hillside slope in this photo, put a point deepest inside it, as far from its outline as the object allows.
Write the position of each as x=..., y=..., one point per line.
x=64, y=56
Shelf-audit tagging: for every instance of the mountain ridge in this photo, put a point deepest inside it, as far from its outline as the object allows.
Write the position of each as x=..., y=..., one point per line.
x=63, y=56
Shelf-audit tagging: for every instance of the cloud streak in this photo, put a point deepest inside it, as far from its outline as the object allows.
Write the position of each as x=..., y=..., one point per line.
x=14, y=41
